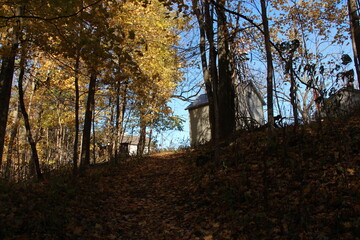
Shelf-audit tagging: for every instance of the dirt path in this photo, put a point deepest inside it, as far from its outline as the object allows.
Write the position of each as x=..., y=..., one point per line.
x=148, y=200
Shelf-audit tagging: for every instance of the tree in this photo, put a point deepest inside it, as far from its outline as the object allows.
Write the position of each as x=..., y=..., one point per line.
x=353, y=8
x=34, y=152
x=9, y=51
x=217, y=69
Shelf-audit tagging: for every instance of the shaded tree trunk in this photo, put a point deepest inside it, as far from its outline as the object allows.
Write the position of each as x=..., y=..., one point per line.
x=6, y=78
x=226, y=92
x=270, y=104
x=142, y=138
x=204, y=64
x=34, y=153
x=293, y=94
x=11, y=146
x=355, y=34
x=85, y=148
x=77, y=99
x=270, y=68
x=94, y=138
x=213, y=75
x=217, y=73
x=121, y=101
x=150, y=138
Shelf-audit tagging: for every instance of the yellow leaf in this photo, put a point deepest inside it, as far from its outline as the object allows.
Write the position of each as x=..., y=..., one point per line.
x=350, y=171
x=208, y=237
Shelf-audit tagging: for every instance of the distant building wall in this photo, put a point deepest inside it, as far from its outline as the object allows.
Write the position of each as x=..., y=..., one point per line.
x=251, y=111
x=133, y=150
x=343, y=102
x=200, y=131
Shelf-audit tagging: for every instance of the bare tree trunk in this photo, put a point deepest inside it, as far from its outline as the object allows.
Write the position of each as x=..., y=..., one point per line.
x=226, y=92
x=6, y=79
x=11, y=149
x=355, y=34
x=270, y=68
x=94, y=138
x=205, y=67
x=213, y=75
x=150, y=137
x=293, y=94
x=142, y=137
x=270, y=104
x=34, y=155
x=77, y=99
x=85, y=150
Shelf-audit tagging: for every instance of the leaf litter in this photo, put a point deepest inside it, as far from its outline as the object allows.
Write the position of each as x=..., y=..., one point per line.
x=310, y=190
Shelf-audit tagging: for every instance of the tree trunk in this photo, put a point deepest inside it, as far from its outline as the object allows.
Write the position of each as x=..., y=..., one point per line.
x=355, y=34
x=94, y=139
x=205, y=67
x=77, y=99
x=293, y=94
x=226, y=92
x=213, y=75
x=85, y=148
x=142, y=138
x=6, y=78
x=11, y=145
x=270, y=104
x=150, y=137
x=34, y=153
x=270, y=68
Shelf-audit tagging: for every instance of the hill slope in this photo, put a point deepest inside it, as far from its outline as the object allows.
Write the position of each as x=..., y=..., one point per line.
x=304, y=185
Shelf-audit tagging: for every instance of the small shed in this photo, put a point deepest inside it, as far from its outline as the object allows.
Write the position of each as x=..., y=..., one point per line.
x=129, y=145
x=249, y=112
x=251, y=104
x=200, y=131
x=345, y=101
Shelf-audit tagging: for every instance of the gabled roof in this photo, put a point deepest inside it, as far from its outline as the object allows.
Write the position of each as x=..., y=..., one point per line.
x=256, y=90
x=200, y=101
x=132, y=140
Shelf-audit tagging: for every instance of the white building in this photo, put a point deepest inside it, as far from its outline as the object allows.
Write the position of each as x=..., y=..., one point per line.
x=250, y=113
x=343, y=102
x=129, y=145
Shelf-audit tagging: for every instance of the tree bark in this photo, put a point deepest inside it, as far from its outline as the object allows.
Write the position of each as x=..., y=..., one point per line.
x=150, y=139
x=77, y=99
x=293, y=94
x=355, y=34
x=34, y=153
x=205, y=67
x=142, y=138
x=270, y=68
x=11, y=145
x=85, y=149
x=94, y=138
x=6, y=78
x=226, y=92
x=213, y=75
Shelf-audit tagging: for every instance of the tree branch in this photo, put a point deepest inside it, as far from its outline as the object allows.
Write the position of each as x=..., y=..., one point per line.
x=257, y=26
x=52, y=18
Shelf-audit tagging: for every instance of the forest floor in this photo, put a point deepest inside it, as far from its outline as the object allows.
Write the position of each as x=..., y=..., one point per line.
x=303, y=185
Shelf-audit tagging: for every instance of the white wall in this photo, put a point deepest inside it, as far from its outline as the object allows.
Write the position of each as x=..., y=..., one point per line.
x=200, y=131
x=133, y=150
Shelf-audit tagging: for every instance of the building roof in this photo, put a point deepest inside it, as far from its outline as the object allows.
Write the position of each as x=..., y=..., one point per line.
x=132, y=140
x=256, y=90
x=200, y=101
